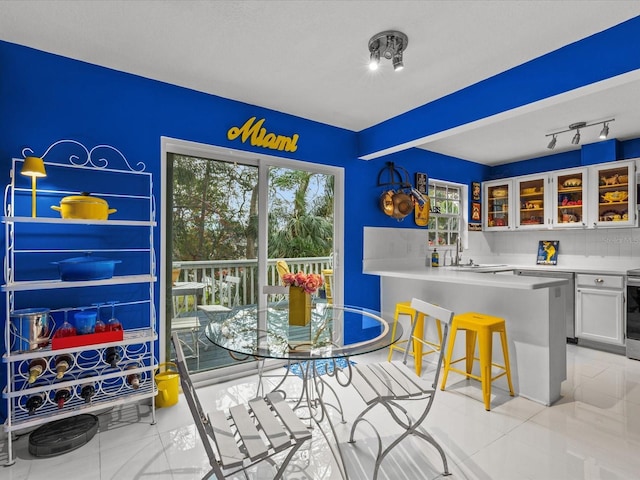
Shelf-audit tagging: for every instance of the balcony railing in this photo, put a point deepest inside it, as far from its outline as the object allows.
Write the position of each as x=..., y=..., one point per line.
x=217, y=291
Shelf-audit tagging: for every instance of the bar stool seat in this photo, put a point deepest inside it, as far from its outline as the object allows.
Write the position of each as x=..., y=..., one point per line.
x=404, y=308
x=482, y=327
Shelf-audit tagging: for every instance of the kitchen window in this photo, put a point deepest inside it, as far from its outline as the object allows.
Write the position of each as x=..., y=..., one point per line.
x=446, y=218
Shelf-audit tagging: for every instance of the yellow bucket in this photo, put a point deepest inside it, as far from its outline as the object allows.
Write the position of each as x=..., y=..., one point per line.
x=168, y=382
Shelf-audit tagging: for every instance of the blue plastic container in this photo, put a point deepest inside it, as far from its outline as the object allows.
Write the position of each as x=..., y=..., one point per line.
x=85, y=322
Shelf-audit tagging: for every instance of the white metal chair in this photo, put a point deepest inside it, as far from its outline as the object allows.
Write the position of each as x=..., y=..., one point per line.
x=390, y=383
x=247, y=434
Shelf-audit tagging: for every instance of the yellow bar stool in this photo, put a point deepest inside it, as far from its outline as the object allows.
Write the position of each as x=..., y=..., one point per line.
x=482, y=327
x=404, y=308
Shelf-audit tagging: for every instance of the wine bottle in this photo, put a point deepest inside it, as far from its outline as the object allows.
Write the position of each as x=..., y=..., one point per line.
x=87, y=391
x=63, y=363
x=34, y=402
x=112, y=356
x=62, y=396
x=133, y=379
x=37, y=366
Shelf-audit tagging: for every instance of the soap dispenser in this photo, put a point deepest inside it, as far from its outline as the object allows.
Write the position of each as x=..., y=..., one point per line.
x=435, y=258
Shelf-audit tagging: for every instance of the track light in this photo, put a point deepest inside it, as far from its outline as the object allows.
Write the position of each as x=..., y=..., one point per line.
x=389, y=44
x=604, y=133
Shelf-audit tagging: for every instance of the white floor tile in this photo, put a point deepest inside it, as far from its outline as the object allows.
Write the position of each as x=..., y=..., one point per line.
x=591, y=433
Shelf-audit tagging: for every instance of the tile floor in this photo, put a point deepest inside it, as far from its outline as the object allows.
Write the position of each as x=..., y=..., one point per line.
x=592, y=433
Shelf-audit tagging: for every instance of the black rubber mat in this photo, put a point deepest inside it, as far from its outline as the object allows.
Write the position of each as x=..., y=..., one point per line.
x=62, y=436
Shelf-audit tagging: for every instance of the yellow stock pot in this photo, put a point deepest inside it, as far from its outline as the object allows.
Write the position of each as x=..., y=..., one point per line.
x=84, y=207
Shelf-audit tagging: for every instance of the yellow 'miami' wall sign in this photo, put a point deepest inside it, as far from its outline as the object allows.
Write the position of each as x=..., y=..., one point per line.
x=260, y=137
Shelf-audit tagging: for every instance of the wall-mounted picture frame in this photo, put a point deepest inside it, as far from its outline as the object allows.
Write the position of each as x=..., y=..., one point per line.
x=476, y=211
x=422, y=182
x=475, y=191
x=548, y=252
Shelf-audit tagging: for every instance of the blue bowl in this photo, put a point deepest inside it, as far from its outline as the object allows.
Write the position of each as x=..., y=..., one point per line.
x=85, y=322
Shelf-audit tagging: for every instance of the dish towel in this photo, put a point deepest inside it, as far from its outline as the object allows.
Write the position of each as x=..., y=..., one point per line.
x=322, y=367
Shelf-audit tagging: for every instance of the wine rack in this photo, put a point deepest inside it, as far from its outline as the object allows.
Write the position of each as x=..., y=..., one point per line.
x=130, y=188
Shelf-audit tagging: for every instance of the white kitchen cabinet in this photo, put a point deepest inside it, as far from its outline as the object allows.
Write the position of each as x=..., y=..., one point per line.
x=599, y=308
x=597, y=196
x=570, y=207
x=498, y=214
x=612, y=195
x=30, y=281
x=533, y=198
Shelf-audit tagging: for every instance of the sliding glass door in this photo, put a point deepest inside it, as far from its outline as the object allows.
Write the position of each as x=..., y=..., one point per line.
x=229, y=220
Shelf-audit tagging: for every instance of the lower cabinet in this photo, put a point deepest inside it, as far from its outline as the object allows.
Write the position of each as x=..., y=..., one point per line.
x=599, y=308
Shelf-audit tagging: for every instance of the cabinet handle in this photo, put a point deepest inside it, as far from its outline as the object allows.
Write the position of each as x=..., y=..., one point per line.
x=599, y=280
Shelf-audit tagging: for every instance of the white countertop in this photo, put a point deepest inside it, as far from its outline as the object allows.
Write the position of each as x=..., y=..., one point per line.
x=482, y=277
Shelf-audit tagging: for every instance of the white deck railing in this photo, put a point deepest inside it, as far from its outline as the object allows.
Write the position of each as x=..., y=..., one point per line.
x=217, y=291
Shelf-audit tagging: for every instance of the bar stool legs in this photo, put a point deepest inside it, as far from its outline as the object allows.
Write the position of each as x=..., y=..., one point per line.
x=479, y=327
x=404, y=308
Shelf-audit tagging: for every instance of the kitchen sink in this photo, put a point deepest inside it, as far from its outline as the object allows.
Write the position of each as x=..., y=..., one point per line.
x=476, y=266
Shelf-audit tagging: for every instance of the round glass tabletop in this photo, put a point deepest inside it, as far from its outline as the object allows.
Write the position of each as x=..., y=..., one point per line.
x=332, y=332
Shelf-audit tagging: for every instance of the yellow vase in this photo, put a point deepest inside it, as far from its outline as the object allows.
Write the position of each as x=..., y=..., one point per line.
x=299, y=307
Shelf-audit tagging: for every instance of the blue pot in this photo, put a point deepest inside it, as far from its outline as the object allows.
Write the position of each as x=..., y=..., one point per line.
x=86, y=268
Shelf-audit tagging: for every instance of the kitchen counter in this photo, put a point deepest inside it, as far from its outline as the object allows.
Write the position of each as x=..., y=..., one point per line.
x=494, y=276
x=533, y=308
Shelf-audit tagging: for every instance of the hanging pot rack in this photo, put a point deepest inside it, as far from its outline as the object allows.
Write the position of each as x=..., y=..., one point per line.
x=393, y=173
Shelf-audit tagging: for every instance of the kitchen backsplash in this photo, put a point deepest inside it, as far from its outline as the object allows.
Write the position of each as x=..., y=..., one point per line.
x=577, y=247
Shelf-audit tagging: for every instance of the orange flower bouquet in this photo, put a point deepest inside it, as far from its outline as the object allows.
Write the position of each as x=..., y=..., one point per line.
x=309, y=282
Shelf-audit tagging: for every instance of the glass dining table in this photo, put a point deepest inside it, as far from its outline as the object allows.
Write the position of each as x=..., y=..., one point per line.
x=321, y=349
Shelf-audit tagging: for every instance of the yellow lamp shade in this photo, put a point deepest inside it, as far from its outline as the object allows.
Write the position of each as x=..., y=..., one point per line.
x=33, y=167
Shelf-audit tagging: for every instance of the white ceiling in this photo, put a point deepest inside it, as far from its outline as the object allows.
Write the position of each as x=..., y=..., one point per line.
x=309, y=58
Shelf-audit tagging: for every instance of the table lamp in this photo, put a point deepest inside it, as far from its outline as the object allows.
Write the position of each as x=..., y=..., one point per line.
x=33, y=167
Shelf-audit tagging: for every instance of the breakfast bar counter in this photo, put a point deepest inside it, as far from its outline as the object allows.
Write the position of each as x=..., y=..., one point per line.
x=533, y=308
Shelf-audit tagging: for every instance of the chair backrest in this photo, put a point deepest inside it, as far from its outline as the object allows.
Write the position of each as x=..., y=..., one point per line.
x=201, y=419
x=233, y=290
x=444, y=316
x=283, y=267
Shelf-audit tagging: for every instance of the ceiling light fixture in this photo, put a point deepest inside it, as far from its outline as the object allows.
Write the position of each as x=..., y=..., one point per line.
x=389, y=44
x=604, y=133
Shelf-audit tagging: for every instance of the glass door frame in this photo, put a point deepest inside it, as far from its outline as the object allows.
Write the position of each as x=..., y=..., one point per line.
x=263, y=162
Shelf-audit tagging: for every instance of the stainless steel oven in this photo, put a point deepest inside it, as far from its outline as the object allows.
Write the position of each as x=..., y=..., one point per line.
x=633, y=314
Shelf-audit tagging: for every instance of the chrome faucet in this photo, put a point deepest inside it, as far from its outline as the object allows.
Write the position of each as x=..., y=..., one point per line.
x=458, y=252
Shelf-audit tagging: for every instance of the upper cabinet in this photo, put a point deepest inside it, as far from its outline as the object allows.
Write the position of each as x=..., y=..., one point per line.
x=532, y=205
x=570, y=209
x=613, y=195
x=499, y=195
x=586, y=197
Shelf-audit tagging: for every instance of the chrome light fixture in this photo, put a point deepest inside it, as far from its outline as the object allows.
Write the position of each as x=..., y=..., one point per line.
x=604, y=133
x=389, y=44
x=577, y=126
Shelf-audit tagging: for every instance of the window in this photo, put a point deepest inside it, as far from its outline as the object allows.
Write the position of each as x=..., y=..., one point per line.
x=447, y=212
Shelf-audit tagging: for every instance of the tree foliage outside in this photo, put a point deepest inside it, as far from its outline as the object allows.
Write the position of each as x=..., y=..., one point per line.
x=215, y=208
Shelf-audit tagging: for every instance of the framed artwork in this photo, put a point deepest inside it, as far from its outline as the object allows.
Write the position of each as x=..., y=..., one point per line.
x=421, y=183
x=475, y=191
x=548, y=252
x=475, y=212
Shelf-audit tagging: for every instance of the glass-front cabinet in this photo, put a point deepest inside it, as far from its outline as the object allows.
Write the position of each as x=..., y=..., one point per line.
x=531, y=210
x=613, y=195
x=570, y=199
x=497, y=214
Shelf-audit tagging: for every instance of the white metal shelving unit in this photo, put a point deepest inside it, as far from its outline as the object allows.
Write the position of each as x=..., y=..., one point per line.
x=137, y=349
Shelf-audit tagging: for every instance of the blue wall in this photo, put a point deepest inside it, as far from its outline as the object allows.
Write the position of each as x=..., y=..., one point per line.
x=45, y=98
